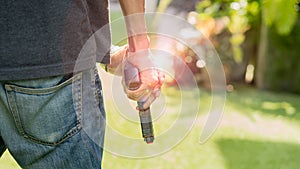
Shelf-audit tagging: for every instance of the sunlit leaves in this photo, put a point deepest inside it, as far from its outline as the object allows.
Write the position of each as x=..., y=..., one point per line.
x=280, y=13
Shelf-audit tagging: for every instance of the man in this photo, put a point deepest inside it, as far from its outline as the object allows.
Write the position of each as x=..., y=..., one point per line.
x=51, y=107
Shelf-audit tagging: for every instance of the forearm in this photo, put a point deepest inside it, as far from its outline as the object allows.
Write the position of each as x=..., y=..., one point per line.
x=133, y=11
x=130, y=7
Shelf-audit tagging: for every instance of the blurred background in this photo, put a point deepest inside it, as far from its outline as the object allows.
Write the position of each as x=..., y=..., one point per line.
x=258, y=44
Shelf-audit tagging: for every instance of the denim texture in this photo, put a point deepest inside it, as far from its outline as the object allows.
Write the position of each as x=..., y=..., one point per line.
x=54, y=122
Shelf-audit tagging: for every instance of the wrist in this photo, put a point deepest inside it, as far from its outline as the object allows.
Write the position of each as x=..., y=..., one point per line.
x=138, y=42
x=141, y=59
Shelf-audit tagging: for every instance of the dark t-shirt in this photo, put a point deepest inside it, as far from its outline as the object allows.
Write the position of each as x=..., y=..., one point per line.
x=185, y=6
x=46, y=38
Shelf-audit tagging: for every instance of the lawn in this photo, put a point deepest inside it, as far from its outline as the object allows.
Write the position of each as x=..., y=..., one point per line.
x=259, y=130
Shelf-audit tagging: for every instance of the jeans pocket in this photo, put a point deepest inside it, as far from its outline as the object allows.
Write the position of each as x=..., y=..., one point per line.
x=45, y=115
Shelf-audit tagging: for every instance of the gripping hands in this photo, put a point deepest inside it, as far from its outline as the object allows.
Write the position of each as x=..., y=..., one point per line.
x=150, y=77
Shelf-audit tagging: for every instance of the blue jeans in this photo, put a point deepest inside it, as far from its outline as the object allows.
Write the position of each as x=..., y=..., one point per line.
x=54, y=122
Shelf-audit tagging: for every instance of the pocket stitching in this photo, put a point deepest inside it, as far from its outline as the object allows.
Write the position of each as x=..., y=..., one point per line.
x=13, y=109
x=10, y=89
x=72, y=132
x=40, y=91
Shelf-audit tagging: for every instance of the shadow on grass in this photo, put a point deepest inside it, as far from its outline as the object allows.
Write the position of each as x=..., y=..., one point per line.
x=246, y=154
x=270, y=103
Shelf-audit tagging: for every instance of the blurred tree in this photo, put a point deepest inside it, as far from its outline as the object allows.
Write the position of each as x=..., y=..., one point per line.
x=262, y=32
x=279, y=53
x=280, y=13
x=236, y=45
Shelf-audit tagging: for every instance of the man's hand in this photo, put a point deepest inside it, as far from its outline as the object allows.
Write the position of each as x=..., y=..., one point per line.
x=151, y=78
x=116, y=60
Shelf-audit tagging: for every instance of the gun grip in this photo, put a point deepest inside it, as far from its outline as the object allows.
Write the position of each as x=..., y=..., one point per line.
x=132, y=81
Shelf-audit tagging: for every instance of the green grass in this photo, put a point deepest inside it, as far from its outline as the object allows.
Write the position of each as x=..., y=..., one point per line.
x=259, y=130
x=7, y=162
x=117, y=23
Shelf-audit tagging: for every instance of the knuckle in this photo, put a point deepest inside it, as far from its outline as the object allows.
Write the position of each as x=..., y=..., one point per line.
x=136, y=94
x=130, y=96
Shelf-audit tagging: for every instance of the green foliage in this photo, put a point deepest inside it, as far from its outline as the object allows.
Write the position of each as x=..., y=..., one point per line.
x=241, y=14
x=282, y=56
x=281, y=13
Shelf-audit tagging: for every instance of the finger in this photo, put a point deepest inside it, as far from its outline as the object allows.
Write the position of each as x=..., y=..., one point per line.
x=161, y=77
x=151, y=98
x=133, y=94
x=142, y=93
x=148, y=102
x=156, y=92
x=149, y=77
